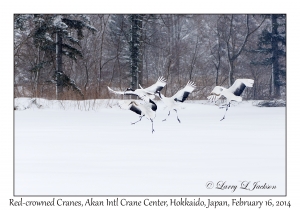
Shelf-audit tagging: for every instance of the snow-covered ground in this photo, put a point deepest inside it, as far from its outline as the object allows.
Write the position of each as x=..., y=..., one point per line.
x=91, y=148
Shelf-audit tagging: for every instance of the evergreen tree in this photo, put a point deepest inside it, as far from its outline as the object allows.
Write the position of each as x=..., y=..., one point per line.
x=128, y=28
x=272, y=43
x=135, y=47
x=20, y=21
x=61, y=35
x=119, y=28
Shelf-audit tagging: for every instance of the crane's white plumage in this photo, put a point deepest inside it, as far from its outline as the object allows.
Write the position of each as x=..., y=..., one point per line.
x=138, y=92
x=239, y=85
x=146, y=109
x=231, y=94
x=144, y=94
x=180, y=96
x=158, y=86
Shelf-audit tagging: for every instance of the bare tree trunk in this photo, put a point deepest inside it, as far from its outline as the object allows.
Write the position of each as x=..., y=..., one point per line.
x=37, y=73
x=230, y=73
x=233, y=54
x=135, y=49
x=194, y=59
x=87, y=77
x=217, y=62
x=255, y=88
x=168, y=74
x=275, y=64
x=141, y=52
x=59, y=81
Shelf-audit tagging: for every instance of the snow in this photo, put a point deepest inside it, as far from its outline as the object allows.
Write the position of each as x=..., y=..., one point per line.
x=47, y=37
x=91, y=148
x=57, y=22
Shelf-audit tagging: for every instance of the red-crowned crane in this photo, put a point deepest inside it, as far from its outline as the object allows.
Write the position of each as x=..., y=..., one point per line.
x=148, y=109
x=172, y=103
x=231, y=94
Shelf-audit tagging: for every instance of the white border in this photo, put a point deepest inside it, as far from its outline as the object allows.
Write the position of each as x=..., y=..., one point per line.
x=153, y=6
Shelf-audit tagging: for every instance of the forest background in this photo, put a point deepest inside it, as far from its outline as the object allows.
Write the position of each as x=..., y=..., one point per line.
x=76, y=56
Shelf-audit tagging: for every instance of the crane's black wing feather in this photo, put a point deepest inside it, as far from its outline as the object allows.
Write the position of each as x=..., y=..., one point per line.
x=239, y=89
x=184, y=97
x=135, y=109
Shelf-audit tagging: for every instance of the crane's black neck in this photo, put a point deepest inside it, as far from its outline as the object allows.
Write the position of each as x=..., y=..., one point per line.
x=154, y=106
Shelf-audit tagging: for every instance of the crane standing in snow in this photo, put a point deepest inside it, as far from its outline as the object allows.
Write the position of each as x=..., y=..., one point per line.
x=180, y=96
x=232, y=94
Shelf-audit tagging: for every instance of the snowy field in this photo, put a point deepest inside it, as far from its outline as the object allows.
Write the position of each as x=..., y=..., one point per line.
x=91, y=148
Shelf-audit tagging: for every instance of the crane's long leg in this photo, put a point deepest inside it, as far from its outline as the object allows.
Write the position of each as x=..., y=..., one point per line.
x=138, y=120
x=167, y=116
x=227, y=105
x=223, y=106
x=177, y=115
x=152, y=125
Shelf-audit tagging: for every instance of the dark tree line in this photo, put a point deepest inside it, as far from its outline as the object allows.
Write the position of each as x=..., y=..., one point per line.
x=78, y=56
x=272, y=45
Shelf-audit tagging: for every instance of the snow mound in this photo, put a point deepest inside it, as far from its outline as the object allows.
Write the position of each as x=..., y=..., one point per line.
x=84, y=105
x=271, y=103
x=22, y=104
x=27, y=103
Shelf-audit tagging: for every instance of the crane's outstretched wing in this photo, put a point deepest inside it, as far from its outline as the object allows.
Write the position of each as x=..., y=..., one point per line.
x=116, y=92
x=131, y=105
x=158, y=86
x=182, y=94
x=135, y=108
x=239, y=86
x=215, y=94
x=144, y=95
x=141, y=94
